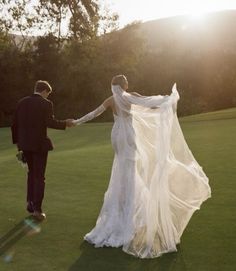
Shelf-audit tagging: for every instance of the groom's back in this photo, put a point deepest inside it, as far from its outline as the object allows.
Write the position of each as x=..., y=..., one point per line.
x=31, y=126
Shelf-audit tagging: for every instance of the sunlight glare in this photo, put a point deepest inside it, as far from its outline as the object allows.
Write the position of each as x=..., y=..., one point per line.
x=198, y=16
x=146, y=10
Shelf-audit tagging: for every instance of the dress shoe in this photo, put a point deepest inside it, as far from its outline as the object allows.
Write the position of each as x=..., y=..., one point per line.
x=39, y=216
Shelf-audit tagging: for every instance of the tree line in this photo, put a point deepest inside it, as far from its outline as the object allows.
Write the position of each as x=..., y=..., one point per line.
x=80, y=64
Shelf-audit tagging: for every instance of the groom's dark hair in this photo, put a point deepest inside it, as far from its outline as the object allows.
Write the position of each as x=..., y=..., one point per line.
x=41, y=85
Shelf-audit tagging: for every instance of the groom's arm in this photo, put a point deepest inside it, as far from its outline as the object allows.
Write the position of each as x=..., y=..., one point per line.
x=51, y=121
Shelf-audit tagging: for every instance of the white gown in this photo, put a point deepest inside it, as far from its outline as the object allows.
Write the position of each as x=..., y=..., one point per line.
x=155, y=185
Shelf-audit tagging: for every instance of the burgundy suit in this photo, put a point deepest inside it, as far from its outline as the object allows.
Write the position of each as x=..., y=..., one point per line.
x=33, y=116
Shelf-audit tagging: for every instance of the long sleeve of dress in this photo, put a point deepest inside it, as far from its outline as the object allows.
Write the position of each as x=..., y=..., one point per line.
x=95, y=113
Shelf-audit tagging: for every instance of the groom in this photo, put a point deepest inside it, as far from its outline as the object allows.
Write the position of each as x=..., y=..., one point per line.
x=34, y=114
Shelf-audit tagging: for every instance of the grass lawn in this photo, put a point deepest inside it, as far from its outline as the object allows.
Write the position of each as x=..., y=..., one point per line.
x=77, y=176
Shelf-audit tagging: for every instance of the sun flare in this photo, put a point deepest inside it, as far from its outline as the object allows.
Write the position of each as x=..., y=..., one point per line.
x=146, y=10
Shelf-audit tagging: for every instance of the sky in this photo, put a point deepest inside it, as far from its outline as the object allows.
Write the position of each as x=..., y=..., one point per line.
x=145, y=10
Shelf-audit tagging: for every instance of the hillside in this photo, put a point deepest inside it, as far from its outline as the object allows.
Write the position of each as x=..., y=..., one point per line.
x=225, y=114
x=197, y=53
x=213, y=31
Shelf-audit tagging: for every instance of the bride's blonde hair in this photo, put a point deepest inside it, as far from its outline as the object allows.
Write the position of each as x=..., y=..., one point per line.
x=120, y=80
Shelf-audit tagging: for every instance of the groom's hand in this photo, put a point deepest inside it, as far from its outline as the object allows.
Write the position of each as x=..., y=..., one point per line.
x=70, y=123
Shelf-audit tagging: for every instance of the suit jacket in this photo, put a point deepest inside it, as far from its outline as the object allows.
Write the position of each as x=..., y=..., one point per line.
x=33, y=116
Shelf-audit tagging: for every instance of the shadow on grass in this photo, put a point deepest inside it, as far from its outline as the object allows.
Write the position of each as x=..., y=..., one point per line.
x=112, y=259
x=28, y=226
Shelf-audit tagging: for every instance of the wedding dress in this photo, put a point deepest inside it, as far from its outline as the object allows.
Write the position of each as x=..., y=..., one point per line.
x=155, y=185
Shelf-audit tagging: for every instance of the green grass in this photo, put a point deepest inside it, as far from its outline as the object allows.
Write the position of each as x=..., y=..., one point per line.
x=77, y=177
x=229, y=113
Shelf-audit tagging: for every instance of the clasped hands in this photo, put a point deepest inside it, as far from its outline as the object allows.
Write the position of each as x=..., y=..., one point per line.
x=70, y=123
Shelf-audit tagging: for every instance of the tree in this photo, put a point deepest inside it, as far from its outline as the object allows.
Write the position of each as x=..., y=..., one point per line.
x=16, y=80
x=18, y=17
x=46, y=58
x=82, y=19
x=77, y=19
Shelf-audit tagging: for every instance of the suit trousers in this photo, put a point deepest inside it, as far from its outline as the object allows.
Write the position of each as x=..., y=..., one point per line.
x=36, y=162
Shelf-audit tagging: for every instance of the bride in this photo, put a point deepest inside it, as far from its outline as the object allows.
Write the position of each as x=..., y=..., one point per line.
x=156, y=184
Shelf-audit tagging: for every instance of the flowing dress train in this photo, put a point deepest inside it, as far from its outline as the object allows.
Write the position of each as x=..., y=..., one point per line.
x=156, y=184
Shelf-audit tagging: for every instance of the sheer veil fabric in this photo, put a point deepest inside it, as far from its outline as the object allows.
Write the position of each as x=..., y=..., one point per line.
x=156, y=184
